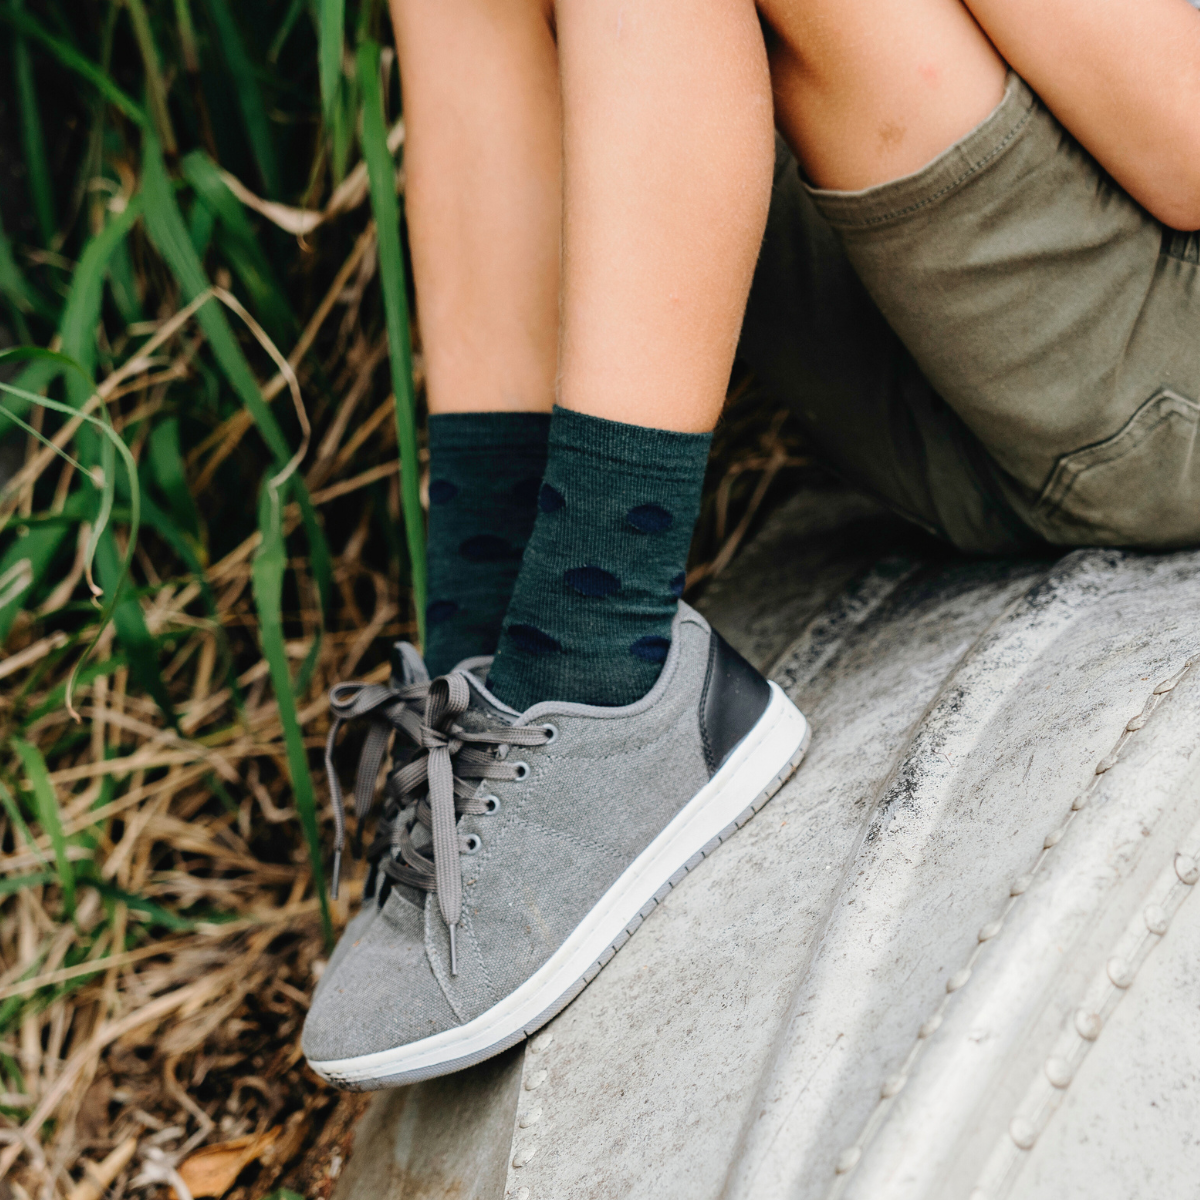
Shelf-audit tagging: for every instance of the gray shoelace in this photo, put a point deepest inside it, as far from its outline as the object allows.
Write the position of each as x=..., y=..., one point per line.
x=432, y=790
x=388, y=707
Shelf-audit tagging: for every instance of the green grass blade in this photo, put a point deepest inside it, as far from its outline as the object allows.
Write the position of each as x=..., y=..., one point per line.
x=395, y=294
x=240, y=247
x=14, y=815
x=155, y=914
x=47, y=806
x=156, y=88
x=331, y=30
x=267, y=581
x=187, y=36
x=72, y=59
x=165, y=458
x=285, y=29
x=122, y=284
x=164, y=223
x=77, y=328
x=167, y=231
x=245, y=82
x=116, y=578
x=33, y=140
x=22, y=567
x=18, y=883
x=130, y=623
x=201, y=225
x=54, y=699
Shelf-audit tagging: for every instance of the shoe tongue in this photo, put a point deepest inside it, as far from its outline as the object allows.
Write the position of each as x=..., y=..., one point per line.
x=407, y=665
x=484, y=711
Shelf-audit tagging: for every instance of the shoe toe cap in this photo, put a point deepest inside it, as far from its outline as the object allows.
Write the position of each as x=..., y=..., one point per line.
x=351, y=936
x=384, y=995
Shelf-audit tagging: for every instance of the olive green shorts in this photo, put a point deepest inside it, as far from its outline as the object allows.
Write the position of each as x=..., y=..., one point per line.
x=1003, y=347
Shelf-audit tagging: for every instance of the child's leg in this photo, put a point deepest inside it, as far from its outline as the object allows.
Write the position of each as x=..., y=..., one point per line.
x=668, y=154
x=483, y=195
x=484, y=188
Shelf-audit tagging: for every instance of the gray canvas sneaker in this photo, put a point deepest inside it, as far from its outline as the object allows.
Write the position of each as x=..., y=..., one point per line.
x=527, y=847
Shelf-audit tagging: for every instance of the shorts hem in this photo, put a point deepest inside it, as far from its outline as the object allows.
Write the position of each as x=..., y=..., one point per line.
x=972, y=154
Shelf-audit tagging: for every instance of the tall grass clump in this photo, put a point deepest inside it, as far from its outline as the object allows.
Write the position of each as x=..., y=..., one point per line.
x=210, y=511
x=205, y=388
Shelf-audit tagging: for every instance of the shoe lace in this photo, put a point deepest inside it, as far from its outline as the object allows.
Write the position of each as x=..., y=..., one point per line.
x=431, y=784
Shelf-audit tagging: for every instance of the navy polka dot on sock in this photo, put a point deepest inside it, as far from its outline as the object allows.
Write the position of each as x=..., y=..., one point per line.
x=442, y=491
x=650, y=518
x=651, y=649
x=486, y=547
x=678, y=584
x=550, y=499
x=525, y=491
x=531, y=640
x=592, y=581
x=437, y=611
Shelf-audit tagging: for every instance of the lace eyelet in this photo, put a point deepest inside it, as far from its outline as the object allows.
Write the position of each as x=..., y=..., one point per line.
x=473, y=844
x=491, y=805
x=521, y=770
x=552, y=730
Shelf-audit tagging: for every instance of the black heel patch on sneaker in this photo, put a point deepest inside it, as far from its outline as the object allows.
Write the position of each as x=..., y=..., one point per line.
x=735, y=695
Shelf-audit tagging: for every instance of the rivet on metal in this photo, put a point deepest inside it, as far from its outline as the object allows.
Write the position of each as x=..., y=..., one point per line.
x=1088, y=1025
x=543, y=1041
x=1186, y=869
x=958, y=979
x=990, y=930
x=530, y=1118
x=1120, y=972
x=535, y=1081
x=1052, y=839
x=521, y=1194
x=1156, y=919
x=891, y=1085
x=1106, y=764
x=930, y=1027
x=1020, y=884
x=1135, y=723
x=1167, y=685
x=1023, y=1132
x=1059, y=1072
x=848, y=1160
x=523, y=1156
x=1079, y=801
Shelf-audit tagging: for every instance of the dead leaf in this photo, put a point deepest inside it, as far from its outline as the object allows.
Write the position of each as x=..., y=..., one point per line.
x=213, y=1170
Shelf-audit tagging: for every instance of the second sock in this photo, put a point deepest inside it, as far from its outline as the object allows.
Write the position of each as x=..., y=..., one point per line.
x=599, y=585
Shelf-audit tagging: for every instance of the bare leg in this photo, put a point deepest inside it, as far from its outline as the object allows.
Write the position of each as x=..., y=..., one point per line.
x=668, y=159
x=866, y=92
x=484, y=157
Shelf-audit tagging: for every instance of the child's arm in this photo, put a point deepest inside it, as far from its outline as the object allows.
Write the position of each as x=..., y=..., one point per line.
x=1124, y=77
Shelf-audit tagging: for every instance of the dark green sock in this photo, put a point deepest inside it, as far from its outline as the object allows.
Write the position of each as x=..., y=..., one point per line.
x=484, y=474
x=590, y=617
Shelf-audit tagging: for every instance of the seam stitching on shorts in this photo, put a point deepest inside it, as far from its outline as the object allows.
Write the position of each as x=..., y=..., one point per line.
x=974, y=169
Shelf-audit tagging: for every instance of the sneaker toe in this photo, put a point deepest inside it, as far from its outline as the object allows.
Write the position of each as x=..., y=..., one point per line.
x=351, y=936
x=385, y=994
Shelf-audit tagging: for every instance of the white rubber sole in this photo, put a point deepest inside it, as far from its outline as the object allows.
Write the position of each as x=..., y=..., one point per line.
x=758, y=767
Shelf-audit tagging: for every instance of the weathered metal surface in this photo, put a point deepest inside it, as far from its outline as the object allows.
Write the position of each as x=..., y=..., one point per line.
x=951, y=958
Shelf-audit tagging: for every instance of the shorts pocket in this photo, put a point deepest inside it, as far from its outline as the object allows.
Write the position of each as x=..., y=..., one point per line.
x=1140, y=487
